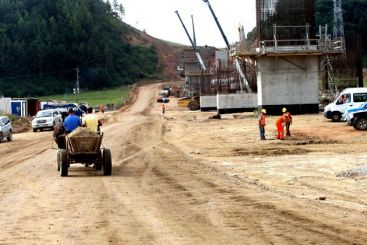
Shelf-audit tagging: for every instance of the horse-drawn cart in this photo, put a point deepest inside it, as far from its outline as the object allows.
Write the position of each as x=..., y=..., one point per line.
x=84, y=147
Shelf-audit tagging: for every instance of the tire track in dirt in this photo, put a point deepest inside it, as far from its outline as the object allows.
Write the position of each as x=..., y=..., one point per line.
x=283, y=216
x=157, y=194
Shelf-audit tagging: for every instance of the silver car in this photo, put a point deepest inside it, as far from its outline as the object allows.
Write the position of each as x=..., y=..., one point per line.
x=46, y=119
x=6, y=129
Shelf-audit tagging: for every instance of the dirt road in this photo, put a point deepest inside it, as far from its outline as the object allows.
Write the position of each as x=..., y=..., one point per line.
x=183, y=179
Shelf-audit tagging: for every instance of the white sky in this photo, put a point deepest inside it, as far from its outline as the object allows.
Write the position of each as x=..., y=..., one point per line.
x=158, y=19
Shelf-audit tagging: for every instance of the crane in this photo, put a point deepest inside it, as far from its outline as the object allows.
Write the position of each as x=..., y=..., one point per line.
x=203, y=67
x=238, y=64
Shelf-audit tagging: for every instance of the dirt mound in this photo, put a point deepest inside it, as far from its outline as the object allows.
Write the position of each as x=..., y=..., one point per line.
x=269, y=151
x=21, y=124
x=299, y=138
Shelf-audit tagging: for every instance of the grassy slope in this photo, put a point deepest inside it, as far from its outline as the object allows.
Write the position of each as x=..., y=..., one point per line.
x=94, y=98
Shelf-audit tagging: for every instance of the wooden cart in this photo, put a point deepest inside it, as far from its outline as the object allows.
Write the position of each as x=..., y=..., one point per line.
x=84, y=147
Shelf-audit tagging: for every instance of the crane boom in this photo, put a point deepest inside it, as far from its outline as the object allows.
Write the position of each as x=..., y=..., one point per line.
x=193, y=30
x=238, y=65
x=218, y=24
x=203, y=67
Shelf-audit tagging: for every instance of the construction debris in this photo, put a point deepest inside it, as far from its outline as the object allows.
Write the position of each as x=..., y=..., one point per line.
x=352, y=173
x=216, y=116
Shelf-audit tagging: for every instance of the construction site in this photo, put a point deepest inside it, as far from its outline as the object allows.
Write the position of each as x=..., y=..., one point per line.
x=182, y=176
x=292, y=62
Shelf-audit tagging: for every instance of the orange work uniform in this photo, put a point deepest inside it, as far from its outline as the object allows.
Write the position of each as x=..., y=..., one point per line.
x=262, y=126
x=163, y=108
x=279, y=123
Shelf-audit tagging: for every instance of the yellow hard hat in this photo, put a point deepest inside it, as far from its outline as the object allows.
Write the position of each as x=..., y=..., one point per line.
x=284, y=110
x=263, y=111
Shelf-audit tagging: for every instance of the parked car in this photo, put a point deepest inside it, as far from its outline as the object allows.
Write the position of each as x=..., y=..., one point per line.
x=6, y=129
x=46, y=119
x=77, y=110
x=164, y=93
x=347, y=98
x=162, y=100
x=360, y=120
x=349, y=113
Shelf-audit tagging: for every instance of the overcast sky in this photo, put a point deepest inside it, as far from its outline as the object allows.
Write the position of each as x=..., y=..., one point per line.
x=158, y=19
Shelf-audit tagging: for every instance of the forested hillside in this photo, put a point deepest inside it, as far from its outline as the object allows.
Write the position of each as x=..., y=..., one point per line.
x=43, y=42
x=354, y=16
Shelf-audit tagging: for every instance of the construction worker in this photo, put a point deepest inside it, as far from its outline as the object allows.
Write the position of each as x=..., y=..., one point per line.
x=262, y=124
x=288, y=120
x=163, y=108
x=280, y=124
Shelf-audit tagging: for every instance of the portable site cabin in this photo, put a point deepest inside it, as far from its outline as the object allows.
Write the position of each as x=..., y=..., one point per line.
x=19, y=108
x=25, y=106
x=5, y=106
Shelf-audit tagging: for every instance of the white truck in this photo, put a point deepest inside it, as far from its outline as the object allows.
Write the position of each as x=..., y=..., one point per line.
x=350, y=97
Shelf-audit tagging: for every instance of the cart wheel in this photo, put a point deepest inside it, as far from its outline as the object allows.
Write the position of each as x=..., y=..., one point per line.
x=107, y=162
x=58, y=160
x=64, y=166
x=99, y=162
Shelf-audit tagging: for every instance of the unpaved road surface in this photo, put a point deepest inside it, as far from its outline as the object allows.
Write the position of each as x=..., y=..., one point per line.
x=183, y=179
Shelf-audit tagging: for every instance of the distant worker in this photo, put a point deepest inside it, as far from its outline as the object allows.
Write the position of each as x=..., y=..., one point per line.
x=262, y=124
x=101, y=114
x=71, y=122
x=163, y=108
x=280, y=124
x=288, y=120
x=91, y=121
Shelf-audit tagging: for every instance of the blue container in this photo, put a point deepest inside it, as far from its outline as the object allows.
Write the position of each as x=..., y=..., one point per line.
x=19, y=108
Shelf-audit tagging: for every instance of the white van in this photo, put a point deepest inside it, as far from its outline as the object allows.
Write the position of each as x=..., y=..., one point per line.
x=347, y=98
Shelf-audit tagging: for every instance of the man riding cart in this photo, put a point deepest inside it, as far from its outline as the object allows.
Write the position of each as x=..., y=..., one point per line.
x=82, y=144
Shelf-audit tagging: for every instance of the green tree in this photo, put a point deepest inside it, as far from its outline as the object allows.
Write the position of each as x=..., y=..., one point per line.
x=42, y=42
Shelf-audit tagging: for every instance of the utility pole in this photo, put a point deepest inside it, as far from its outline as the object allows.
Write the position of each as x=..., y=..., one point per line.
x=77, y=80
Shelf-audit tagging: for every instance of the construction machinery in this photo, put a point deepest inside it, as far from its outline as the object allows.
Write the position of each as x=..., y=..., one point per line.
x=203, y=67
x=192, y=102
x=237, y=61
